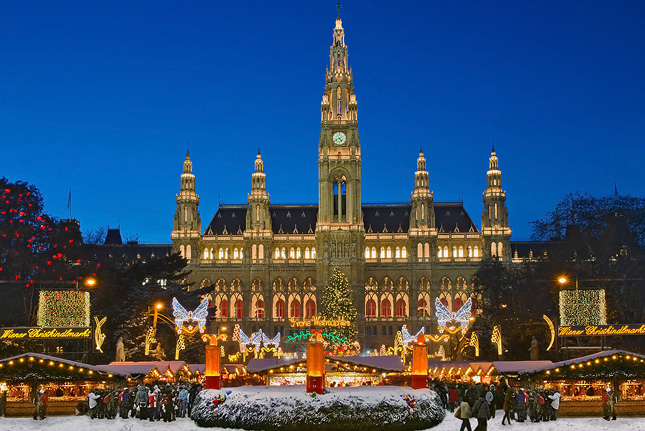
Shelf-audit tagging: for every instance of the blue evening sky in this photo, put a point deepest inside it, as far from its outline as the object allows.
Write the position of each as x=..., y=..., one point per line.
x=102, y=97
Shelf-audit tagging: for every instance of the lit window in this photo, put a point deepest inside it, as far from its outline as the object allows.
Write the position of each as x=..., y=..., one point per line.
x=307, y=253
x=279, y=309
x=400, y=308
x=397, y=253
x=404, y=253
x=367, y=252
x=313, y=252
x=292, y=253
x=476, y=251
x=373, y=252
x=310, y=309
x=382, y=254
x=298, y=253
x=239, y=309
x=386, y=308
x=277, y=253
x=295, y=308
x=439, y=252
x=370, y=308
x=388, y=253
x=461, y=251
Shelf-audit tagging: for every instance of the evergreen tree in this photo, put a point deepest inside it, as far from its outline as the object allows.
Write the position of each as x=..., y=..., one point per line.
x=337, y=304
x=126, y=292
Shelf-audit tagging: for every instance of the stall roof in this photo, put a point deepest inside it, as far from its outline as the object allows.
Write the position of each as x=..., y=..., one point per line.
x=381, y=363
x=519, y=367
x=61, y=360
x=266, y=364
x=587, y=358
x=142, y=368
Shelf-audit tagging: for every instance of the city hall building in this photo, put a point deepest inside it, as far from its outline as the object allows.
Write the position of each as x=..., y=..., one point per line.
x=269, y=262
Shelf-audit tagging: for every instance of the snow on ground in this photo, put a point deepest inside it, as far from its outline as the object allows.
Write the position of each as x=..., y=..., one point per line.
x=84, y=423
x=450, y=423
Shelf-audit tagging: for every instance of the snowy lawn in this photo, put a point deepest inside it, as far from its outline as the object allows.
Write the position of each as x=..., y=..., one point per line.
x=83, y=423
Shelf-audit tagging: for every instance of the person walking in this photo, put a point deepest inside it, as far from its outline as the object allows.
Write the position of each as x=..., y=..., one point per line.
x=141, y=402
x=555, y=404
x=609, y=404
x=491, y=399
x=464, y=415
x=481, y=410
x=507, y=406
x=452, y=398
x=183, y=402
x=92, y=401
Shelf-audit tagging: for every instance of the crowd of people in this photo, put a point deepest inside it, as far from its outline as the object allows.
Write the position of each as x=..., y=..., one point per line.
x=153, y=402
x=481, y=402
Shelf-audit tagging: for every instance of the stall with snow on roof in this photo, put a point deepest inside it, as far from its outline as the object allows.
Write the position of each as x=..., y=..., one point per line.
x=582, y=381
x=340, y=371
x=65, y=382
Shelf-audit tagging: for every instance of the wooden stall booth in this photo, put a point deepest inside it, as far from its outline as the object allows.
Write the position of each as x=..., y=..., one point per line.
x=581, y=382
x=339, y=371
x=66, y=383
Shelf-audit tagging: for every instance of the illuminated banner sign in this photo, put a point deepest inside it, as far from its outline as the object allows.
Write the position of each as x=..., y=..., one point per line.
x=318, y=321
x=24, y=333
x=596, y=330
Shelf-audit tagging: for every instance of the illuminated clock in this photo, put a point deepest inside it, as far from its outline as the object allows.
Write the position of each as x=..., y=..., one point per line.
x=339, y=138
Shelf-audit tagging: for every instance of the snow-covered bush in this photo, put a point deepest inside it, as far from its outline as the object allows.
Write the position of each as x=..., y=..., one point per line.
x=290, y=408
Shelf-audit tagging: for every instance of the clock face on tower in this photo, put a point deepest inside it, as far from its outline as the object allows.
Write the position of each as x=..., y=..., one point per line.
x=339, y=138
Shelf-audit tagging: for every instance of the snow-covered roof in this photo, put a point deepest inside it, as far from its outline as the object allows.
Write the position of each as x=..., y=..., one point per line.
x=458, y=367
x=519, y=367
x=197, y=368
x=380, y=363
x=265, y=364
x=142, y=368
x=587, y=358
x=60, y=360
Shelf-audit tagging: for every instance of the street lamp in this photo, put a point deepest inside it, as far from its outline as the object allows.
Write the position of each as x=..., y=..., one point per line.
x=88, y=282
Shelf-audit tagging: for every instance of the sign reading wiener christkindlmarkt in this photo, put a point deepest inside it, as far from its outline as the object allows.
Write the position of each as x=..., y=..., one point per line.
x=601, y=330
x=39, y=333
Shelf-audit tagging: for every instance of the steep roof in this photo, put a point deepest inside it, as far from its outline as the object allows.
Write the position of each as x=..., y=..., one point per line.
x=377, y=218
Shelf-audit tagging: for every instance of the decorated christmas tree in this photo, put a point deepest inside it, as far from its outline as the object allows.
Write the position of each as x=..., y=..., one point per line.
x=337, y=304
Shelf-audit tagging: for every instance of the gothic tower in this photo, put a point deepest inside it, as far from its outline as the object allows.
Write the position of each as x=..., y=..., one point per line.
x=339, y=229
x=258, y=218
x=186, y=234
x=422, y=220
x=495, y=229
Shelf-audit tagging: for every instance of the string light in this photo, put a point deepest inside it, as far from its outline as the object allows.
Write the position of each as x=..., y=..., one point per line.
x=582, y=307
x=63, y=308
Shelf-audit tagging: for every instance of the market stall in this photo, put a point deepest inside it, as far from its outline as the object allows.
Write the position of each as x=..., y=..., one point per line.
x=65, y=382
x=340, y=371
x=581, y=382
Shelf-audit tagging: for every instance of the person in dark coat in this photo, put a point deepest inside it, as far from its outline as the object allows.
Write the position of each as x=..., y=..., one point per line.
x=481, y=410
x=508, y=405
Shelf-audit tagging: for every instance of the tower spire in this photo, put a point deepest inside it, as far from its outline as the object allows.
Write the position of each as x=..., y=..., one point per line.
x=187, y=227
x=495, y=227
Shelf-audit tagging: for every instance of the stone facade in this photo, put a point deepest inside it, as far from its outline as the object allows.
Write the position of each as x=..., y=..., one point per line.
x=270, y=262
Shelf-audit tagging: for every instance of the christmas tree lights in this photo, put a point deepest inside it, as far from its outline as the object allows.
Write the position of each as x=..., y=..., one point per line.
x=63, y=308
x=337, y=303
x=583, y=307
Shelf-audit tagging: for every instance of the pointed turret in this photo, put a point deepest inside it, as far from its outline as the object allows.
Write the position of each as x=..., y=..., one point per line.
x=257, y=215
x=495, y=227
x=422, y=215
x=187, y=229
